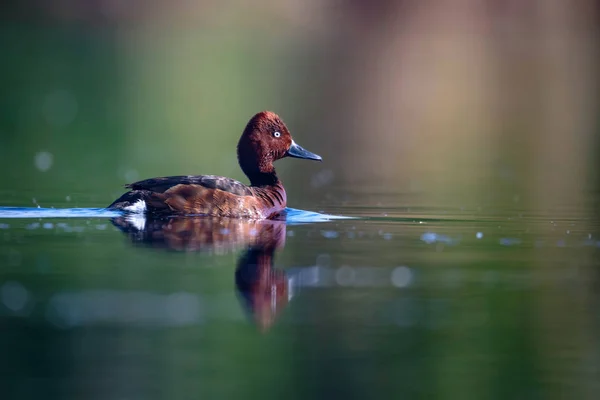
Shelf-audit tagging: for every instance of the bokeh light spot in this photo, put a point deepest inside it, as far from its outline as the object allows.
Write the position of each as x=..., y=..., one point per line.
x=43, y=161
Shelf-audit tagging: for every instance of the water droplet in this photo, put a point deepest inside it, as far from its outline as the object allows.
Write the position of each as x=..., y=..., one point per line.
x=401, y=276
x=509, y=241
x=43, y=161
x=329, y=234
x=14, y=296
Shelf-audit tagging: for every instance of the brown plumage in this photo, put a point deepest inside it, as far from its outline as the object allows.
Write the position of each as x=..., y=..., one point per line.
x=265, y=139
x=209, y=234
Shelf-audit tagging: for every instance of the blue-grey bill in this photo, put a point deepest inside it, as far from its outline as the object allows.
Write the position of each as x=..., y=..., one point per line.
x=297, y=151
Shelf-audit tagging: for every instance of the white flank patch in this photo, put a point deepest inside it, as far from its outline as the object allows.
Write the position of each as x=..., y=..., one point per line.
x=139, y=207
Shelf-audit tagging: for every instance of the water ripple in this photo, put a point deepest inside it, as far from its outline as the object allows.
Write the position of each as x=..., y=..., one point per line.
x=293, y=215
x=34, y=212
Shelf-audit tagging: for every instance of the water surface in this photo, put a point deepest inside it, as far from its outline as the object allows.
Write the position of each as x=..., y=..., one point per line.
x=404, y=300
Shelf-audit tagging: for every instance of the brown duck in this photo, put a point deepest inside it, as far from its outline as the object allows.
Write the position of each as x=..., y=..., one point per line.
x=265, y=140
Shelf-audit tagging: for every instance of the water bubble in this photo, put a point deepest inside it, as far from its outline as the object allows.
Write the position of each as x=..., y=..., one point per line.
x=329, y=234
x=401, y=276
x=43, y=160
x=429, y=237
x=432, y=237
x=509, y=241
x=14, y=296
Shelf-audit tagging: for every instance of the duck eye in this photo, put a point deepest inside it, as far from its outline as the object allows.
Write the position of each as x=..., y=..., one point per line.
x=276, y=134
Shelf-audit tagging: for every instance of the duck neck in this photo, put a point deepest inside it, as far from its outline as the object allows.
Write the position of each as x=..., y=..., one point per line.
x=257, y=165
x=259, y=179
x=260, y=173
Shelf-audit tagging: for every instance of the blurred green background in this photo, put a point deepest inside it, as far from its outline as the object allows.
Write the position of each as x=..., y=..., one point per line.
x=92, y=102
x=473, y=102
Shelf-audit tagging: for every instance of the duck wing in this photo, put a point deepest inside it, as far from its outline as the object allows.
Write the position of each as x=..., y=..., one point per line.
x=202, y=195
x=161, y=185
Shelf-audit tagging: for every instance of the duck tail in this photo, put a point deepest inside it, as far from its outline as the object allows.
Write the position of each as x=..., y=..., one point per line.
x=134, y=201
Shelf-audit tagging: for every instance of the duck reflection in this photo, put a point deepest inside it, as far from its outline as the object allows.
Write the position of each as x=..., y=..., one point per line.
x=263, y=290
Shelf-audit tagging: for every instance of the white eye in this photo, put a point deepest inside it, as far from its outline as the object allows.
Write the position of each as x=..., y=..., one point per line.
x=276, y=134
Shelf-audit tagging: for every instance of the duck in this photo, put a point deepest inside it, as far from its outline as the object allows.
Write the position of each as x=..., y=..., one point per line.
x=265, y=139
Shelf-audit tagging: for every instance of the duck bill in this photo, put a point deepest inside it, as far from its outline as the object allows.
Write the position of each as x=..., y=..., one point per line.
x=297, y=151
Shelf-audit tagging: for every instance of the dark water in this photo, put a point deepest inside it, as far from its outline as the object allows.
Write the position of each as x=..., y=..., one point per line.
x=401, y=302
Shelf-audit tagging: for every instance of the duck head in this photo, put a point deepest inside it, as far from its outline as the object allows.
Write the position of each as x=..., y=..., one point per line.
x=265, y=140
